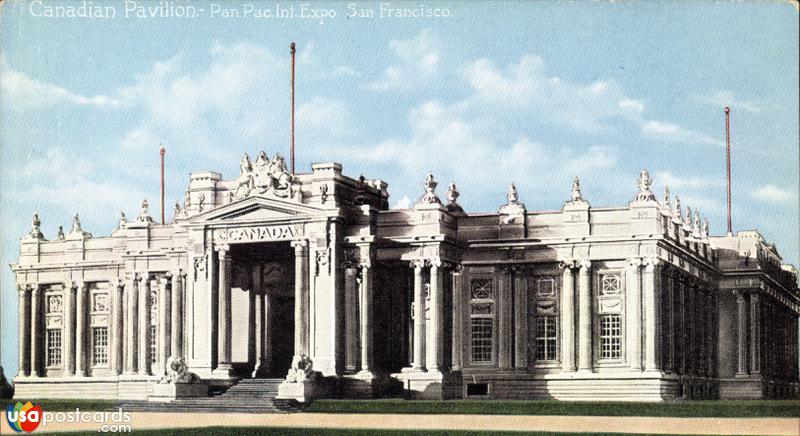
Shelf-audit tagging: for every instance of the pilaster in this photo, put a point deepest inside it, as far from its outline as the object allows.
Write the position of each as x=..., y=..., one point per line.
x=24, y=330
x=567, y=316
x=633, y=299
x=741, y=324
x=584, y=316
x=81, y=328
x=652, y=305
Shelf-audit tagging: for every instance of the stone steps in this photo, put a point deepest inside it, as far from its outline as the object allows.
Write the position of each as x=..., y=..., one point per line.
x=247, y=396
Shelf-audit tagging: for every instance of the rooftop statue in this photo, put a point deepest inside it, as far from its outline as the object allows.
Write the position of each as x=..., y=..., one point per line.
x=644, y=182
x=429, y=197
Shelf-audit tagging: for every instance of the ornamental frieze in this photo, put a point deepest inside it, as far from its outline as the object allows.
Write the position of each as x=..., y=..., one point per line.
x=259, y=233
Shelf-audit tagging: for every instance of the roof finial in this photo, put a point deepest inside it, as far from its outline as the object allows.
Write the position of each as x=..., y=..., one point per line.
x=144, y=216
x=576, y=190
x=430, y=195
x=644, y=182
x=36, y=232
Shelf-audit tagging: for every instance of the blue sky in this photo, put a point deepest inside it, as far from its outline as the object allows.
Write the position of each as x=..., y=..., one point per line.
x=534, y=93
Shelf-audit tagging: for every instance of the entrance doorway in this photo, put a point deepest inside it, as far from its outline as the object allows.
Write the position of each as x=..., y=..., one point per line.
x=263, y=269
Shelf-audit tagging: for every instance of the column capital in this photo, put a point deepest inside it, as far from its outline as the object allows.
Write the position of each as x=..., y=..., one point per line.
x=417, y=264
x=222, y=250
x=740, y=293
x=23, y=289
x=585, y=264
x=651, y=263
x=634, y=262
x=457, y=268
x=434, y=261
x=349, y=264
x=567, y=264
x=299, y=245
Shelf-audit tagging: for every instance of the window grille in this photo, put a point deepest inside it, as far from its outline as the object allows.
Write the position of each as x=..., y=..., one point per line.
x=53, y=347
x=481, y=339
x=99, y=345
x=610, y=337
x=546, y=337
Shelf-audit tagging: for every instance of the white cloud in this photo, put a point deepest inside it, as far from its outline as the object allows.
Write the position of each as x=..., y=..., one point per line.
x=723, y=98
x=323, y=114
x=527, y=86
x=670, y=132
x=690, y=182
x=402, y=203
x=22, y=92
x=772, y=193
x=417, y=59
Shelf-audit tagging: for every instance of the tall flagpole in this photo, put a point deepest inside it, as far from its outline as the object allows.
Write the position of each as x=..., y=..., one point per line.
x=728, y=163
x=163, y=151
x=291, y=146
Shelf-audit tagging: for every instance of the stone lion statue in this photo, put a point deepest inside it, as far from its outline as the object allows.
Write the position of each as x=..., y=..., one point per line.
x=302, y=369
x=178, y=372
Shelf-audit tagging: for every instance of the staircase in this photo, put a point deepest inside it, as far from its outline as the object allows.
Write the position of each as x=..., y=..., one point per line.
x=247, y=396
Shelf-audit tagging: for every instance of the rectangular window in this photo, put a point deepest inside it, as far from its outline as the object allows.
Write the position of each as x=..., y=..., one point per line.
x=481, y=340
x=610, y=337
x=546, y=337
x=53, y=347
x=100, y=346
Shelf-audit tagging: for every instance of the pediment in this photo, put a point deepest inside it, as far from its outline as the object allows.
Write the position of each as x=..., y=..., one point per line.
x=258, y=209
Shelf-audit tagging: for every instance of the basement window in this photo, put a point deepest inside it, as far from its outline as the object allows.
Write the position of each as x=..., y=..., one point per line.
x=477, y=389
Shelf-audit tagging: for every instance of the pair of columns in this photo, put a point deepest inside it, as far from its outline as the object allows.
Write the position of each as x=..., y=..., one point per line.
x=138, y=320
x=74, y=323
x=428, y=337
x=643, y=304
x=748, y=326
x=358, y=283
x=224, y=317
x=584, y=331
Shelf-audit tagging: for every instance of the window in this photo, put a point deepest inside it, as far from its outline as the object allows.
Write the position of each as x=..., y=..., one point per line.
x=543, y=319
x=100, y=346
x=53, y=347
x=482, y=320
x=481, y=340
x=610, y=337
x=546, y=341
x=610, y=284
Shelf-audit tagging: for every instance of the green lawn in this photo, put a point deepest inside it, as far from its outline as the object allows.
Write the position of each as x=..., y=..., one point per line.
x=720, y=409
x=58, y=405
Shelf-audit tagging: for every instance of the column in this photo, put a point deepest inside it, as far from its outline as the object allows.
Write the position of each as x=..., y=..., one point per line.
x=81, y=327
x=584, y=316
x=567, y=316
x=164, y=323
x=652, y=302
x=520, y=318
x=300, y=297
x=260, y=369
x=252, y=328
x=671, y=306
x=433, y=354
x=681, y=325
x=36, y=316
x=68, y=339
x=418, y=362
x=711, y=332
x=351, y=317
x=145, y=364
x=458, y=309
x=755, y=333
x=116, y=328
x=691, y=326
x=365, y=304
x=633, y=316
x=224, y=322
x=504, y=324
x=132, y=299
x=741, y=323
x=24, y=331
x=176, y=330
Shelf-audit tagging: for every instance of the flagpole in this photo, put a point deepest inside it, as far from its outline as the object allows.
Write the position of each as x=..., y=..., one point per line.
x=728, y=163
x=291, y=146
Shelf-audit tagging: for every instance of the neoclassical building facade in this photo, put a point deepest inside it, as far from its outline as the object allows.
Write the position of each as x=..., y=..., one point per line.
x=313, y=279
